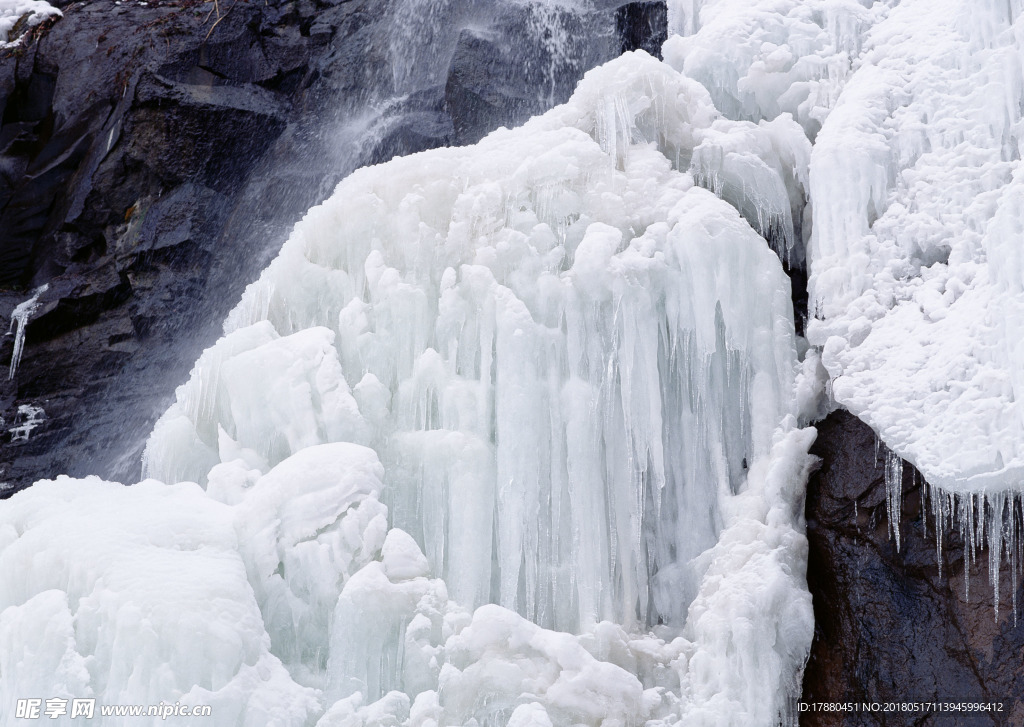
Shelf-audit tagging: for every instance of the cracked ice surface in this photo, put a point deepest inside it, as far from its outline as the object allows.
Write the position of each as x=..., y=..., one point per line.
x=507, y=434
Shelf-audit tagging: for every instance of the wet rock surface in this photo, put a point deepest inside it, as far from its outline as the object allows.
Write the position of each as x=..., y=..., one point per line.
x=888, y=626
x=153, y=156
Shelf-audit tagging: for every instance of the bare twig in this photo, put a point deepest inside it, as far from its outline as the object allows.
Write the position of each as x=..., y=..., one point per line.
x=219, y=17
x=215, y=7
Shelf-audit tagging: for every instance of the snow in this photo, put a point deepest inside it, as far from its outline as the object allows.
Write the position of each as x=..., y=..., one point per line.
x=763, y=58
x=506, y=434
x=771, y=61
x=11, y=11
x=918, y=278
x=753, y=603
x=27, y=419
x=134, y=595
x=912, y=223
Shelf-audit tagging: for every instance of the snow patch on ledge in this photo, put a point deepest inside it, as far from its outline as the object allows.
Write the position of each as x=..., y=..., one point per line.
x=25, y=421
x=12, y=11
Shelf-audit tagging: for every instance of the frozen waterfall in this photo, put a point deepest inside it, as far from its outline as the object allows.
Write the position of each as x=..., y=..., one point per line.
x=516, y=433
x=569, y=360
x=913, y=226
x=507, y=434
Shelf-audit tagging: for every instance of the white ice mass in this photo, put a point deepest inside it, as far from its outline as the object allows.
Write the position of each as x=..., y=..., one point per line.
x=574, y=366
x=515, y=434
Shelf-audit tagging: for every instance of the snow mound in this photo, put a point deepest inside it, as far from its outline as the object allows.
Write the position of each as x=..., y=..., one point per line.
x=134, y=596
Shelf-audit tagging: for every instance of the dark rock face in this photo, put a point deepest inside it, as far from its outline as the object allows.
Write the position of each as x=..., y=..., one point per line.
x=495, y=79
x=127, y=141
x=153, y=157
x=643, y=26
x=888, y=627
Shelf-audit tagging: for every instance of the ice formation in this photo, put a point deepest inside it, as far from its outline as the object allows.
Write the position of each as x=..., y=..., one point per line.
x=28, y=418
x=507, y=434
x=917, y=271
x=763, y=58
x=917, y=277
x=913, y=225
x=134, y=595
x=546, y=339
x=19, y=322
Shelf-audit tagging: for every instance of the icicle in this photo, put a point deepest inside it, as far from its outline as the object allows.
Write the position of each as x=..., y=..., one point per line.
x=893, y=493
x=938, y=512
x=984, y=520
x=1015, y=546
x=965, y=518
x=921, y=485
x=19, y=322
x=996, y=538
